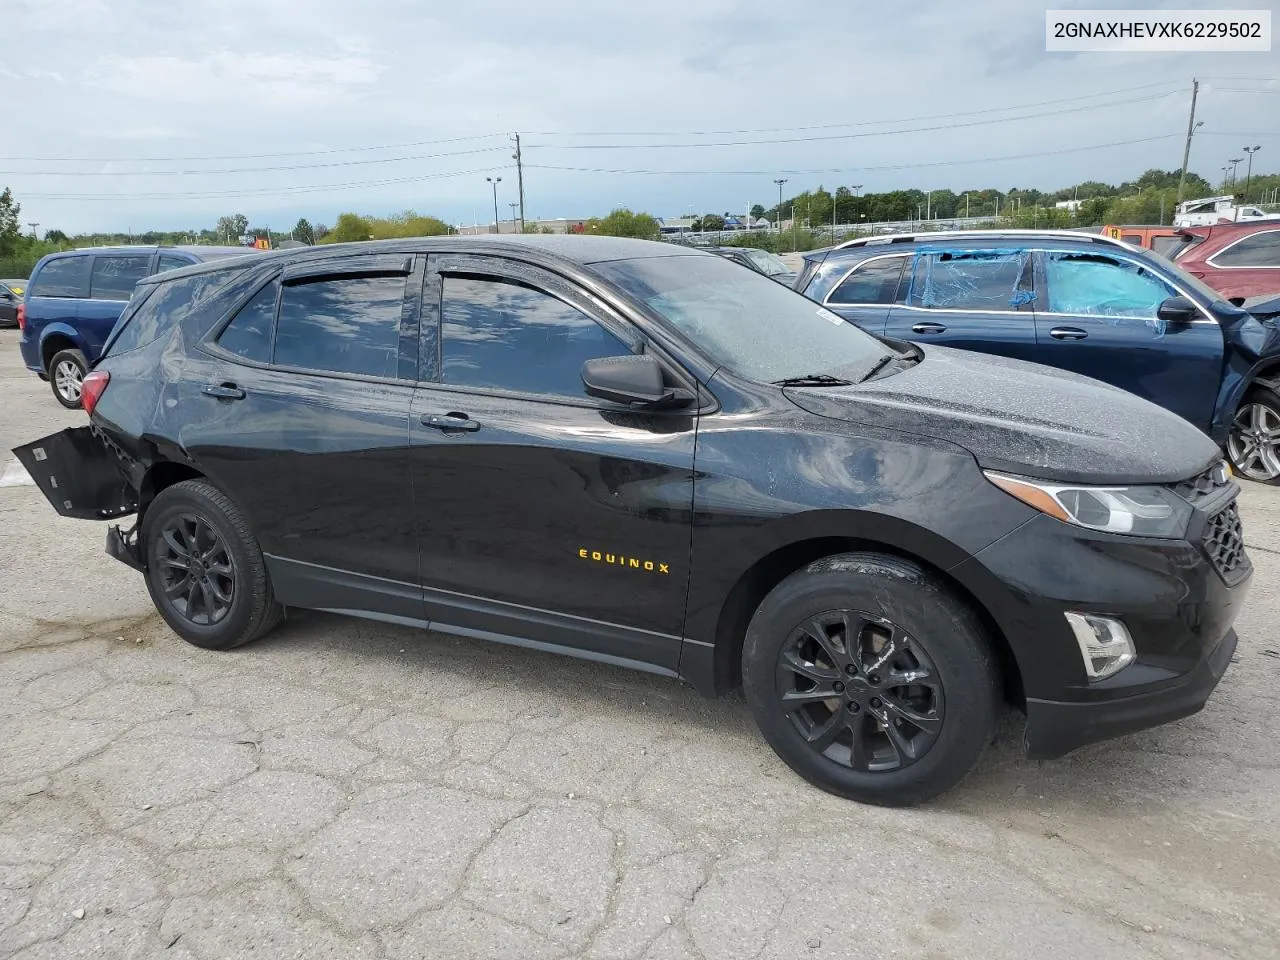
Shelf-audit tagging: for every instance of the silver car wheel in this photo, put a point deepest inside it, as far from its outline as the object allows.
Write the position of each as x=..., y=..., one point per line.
x=1254, y=443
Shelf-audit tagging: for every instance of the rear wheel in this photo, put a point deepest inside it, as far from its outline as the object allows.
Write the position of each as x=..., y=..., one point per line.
x=1254, y=442
x=66, y=374
x=870, y=679
x=205, y=571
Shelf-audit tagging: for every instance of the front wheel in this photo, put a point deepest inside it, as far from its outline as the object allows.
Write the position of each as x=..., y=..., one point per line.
x=1253, y=445
x=205, y=571
x=66, y=375
x=870, y=679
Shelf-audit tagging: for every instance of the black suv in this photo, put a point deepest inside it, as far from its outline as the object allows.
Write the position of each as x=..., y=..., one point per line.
x=645, y=455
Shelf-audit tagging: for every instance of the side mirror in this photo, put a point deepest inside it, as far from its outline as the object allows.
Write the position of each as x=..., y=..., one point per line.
x=1177, y=310
x=629, y=379
x=6, y=296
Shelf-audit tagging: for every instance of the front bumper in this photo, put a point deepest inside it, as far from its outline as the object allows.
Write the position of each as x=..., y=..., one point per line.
x=1056, y=727
x=1178, y=608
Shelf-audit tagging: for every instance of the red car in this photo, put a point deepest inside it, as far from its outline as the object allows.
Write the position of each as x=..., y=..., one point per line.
x=1240, y=260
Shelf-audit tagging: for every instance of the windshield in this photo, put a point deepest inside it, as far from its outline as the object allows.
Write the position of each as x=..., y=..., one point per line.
x=767, y=263
x=754, y=326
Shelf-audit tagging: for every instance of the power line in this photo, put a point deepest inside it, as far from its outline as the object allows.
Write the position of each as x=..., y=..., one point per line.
x=251, y=156
x=841, y=136
x=307, y=188
x=896, y=166
x=186, y=173
x=860, y=123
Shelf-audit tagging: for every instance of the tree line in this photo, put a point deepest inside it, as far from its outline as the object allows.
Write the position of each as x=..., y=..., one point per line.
x=1151, y=198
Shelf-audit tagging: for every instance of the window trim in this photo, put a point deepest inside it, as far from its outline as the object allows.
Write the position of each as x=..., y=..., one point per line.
x=858, y=266
x=1239, y=240
x=209, y=342
x=508, y=269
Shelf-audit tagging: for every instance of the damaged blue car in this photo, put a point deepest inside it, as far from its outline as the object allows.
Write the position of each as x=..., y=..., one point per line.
x=1082, y=302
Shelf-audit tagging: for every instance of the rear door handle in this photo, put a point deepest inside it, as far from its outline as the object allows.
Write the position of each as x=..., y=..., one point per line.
x=224, y=391
x=1068, y=333
x=928, y=328
x=451, y=421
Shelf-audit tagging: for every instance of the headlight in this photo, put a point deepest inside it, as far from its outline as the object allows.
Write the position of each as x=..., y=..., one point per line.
x=1139, y=511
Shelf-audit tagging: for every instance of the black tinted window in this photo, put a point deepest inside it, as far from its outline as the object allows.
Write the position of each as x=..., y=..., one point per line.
x=346, y=325
x=511, y=337
x=1258, y=250
x=64, y=277
x=169, y=262
x=115, y=277
x=160, y=306
x=874, y=282
x=982, y=280
x=249, y=334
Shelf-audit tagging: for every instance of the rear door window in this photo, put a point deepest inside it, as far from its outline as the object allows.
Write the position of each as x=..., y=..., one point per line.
x=341, y=325
x=114, y=278
x=1256, y=250
x=982, y=280
x=872, y=282
x=64, y=277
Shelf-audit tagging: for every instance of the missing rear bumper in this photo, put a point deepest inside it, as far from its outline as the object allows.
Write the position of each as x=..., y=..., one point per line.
x=123, y=545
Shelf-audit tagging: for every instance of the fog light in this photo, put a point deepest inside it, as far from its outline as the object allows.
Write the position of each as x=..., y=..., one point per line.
x=1104, y=643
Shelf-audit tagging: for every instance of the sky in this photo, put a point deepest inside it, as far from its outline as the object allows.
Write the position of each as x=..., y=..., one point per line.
x=125, y=115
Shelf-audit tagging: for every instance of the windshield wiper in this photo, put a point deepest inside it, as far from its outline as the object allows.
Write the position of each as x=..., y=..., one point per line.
x=813, y=380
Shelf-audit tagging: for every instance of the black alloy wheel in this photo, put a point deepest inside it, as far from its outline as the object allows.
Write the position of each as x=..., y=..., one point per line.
x=205, y=571
x=196, y=570
x=871, y=678
x=859, y=691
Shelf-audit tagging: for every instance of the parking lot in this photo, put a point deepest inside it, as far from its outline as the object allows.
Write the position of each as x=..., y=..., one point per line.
x=346, y=788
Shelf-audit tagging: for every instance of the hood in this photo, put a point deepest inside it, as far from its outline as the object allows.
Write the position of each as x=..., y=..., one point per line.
x=1023, y=418
x=1265, y=309
x=786, y=279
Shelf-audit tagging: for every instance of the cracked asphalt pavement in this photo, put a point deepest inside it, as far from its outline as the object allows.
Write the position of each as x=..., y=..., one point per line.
x=349, y=789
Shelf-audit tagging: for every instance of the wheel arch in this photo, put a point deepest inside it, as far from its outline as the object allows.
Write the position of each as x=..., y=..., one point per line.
x=55, y=338
x=161, y=475
x=717, y=668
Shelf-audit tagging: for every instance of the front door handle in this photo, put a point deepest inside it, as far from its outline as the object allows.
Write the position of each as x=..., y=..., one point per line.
x=928, y=328
x=224, y=391
x=1068, y=333
x=451, y=421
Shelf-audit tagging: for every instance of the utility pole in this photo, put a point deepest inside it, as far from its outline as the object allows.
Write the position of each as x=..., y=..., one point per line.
x=1248, y=175
x=495, y=181
x=1191, y=129
x=519, y=178
x=780, y=183
x=33, y=226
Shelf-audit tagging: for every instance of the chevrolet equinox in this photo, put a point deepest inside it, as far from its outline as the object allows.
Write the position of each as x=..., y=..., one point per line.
x=645, y=455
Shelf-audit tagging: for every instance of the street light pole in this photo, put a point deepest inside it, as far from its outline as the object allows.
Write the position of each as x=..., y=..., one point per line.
x=513, y=204
x=1235, y=163
x=1248, y=175
x=780, y=183
x=495, y=181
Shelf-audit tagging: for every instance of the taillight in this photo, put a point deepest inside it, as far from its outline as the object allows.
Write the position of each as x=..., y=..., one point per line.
x=91, y=389
x=22, y=316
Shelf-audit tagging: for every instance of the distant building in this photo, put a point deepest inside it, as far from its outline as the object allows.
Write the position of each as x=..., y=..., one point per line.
x=676, y=225
x=1071, y=206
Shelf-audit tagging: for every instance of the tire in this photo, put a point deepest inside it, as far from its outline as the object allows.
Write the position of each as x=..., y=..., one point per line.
x=66, y=373
x=937, y=642
x=1253, y=446
x=228, y=566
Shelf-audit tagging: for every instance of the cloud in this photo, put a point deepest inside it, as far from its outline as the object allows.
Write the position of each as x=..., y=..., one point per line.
x=124, y=84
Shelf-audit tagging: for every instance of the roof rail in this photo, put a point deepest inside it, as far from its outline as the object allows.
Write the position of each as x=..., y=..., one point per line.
x=952, y=234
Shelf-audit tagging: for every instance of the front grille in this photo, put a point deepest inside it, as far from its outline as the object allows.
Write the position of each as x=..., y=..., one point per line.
x=1224, y=543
